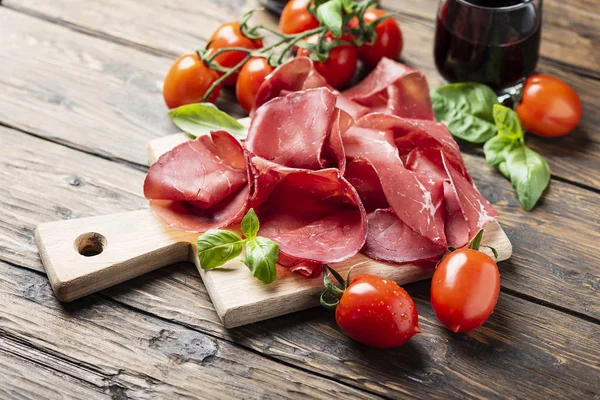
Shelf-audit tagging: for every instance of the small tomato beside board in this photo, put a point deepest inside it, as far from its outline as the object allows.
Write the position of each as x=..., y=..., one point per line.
x=374, y=311
x=252, y=75
x=464, y=289
x=230, y=35
x=549, y=107
x=188, y=80
x=339, y=68
x=295, y=18
x=388, y=42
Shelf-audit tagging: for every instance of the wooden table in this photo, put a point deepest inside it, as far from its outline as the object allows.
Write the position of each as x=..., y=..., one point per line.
x=80, y=95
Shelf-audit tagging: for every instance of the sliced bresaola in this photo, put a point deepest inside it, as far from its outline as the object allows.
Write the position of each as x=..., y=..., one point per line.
x=300, y=130
x=201, y=184
x=296, y=75
x=315, y=216
x=467, y=211
x=394, y=88
x=409, y=134
x=390, y=239
x=415, y=198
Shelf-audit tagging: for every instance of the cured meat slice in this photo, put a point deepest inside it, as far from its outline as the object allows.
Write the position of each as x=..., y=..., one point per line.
x=467, y=211
x=315, y=216
x=300, y=74
x=390, y=239
x=394, y=88
x=200, y=184
x=415, y=198
x=300, y=130
x=409, y=134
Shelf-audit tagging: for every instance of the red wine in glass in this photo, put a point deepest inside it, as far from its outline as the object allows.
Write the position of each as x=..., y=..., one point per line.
x=495, y=42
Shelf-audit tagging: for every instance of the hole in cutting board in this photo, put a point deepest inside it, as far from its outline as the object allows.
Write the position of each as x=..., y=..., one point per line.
x=90, y=244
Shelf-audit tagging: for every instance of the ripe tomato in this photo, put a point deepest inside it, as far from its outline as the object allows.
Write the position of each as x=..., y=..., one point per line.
x=464, y=289
x=188, y=80
x=389, y=38
x=295, y=18
x=549, y=106
x=252, y=75
x=339, y=68
x=377, y=312
x=230, y=35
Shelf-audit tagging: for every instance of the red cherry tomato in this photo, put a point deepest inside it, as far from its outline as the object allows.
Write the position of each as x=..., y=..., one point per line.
x=339, y=68
x=295, y=18
x=252, y=75
x=377, y=312
x=188, y=80
x=549, y=106
x=389, y=39
x=464, y=289
x=230, y=35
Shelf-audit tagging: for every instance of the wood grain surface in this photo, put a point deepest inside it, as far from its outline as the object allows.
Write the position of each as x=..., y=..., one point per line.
x=80, y=86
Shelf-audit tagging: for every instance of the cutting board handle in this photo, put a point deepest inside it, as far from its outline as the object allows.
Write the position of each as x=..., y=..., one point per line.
x=82, y=256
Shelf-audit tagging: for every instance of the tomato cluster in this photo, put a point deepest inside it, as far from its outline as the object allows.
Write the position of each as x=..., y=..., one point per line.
x=194, y=75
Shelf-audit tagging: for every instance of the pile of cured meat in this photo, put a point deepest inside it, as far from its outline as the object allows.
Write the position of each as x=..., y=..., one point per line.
x=329, y=174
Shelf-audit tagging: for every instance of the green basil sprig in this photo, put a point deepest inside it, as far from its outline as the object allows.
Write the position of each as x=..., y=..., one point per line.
x=216, y=247
x=201, y=118
x=467, y=110
x=528, y=172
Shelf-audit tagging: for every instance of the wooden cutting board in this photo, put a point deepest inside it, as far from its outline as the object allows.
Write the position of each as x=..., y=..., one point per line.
x=83, y=256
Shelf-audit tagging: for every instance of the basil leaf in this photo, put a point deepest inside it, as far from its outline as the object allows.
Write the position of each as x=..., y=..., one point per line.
x=216, y=247
x=261, y=255
x=504, y=169
x=507, y=122
x=529, y=174
x=250, y=224
x=201, y=118
x=330, y=14
x=467, y=110
x=496, y=148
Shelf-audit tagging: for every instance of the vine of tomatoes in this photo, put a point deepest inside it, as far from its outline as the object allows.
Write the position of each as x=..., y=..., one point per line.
x=334, y=33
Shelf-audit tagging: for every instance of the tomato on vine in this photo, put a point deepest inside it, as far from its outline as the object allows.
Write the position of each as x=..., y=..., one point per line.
x=549, y=107
x=339, y=67
x=251, y=76
x=388, y=42
x=188, y=81
x=229, y=35
x=372, y=310
x=295, y=18
x=465, y=288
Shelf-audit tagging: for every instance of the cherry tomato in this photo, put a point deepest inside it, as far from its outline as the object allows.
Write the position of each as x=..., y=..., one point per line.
x=339, y=68
x=377, y=312
x=549, y=106
x=389, y=38
x=230, y=35
x=188, y=80
x=252, y=75
x=295, y=18
x=464, y=289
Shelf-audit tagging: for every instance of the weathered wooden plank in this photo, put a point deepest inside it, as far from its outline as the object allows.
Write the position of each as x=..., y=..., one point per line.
x=177, y=29
x=142, y=356
x=22, y=376
x=176, y=293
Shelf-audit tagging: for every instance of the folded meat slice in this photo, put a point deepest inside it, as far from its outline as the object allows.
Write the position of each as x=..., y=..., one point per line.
x=415, y=198
x=390, y=239
x=467, y=211
x=300, y=130
x=296, y=75
x=200, y=184
x=315, y=216
x=409, y=134
x=394, y=88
